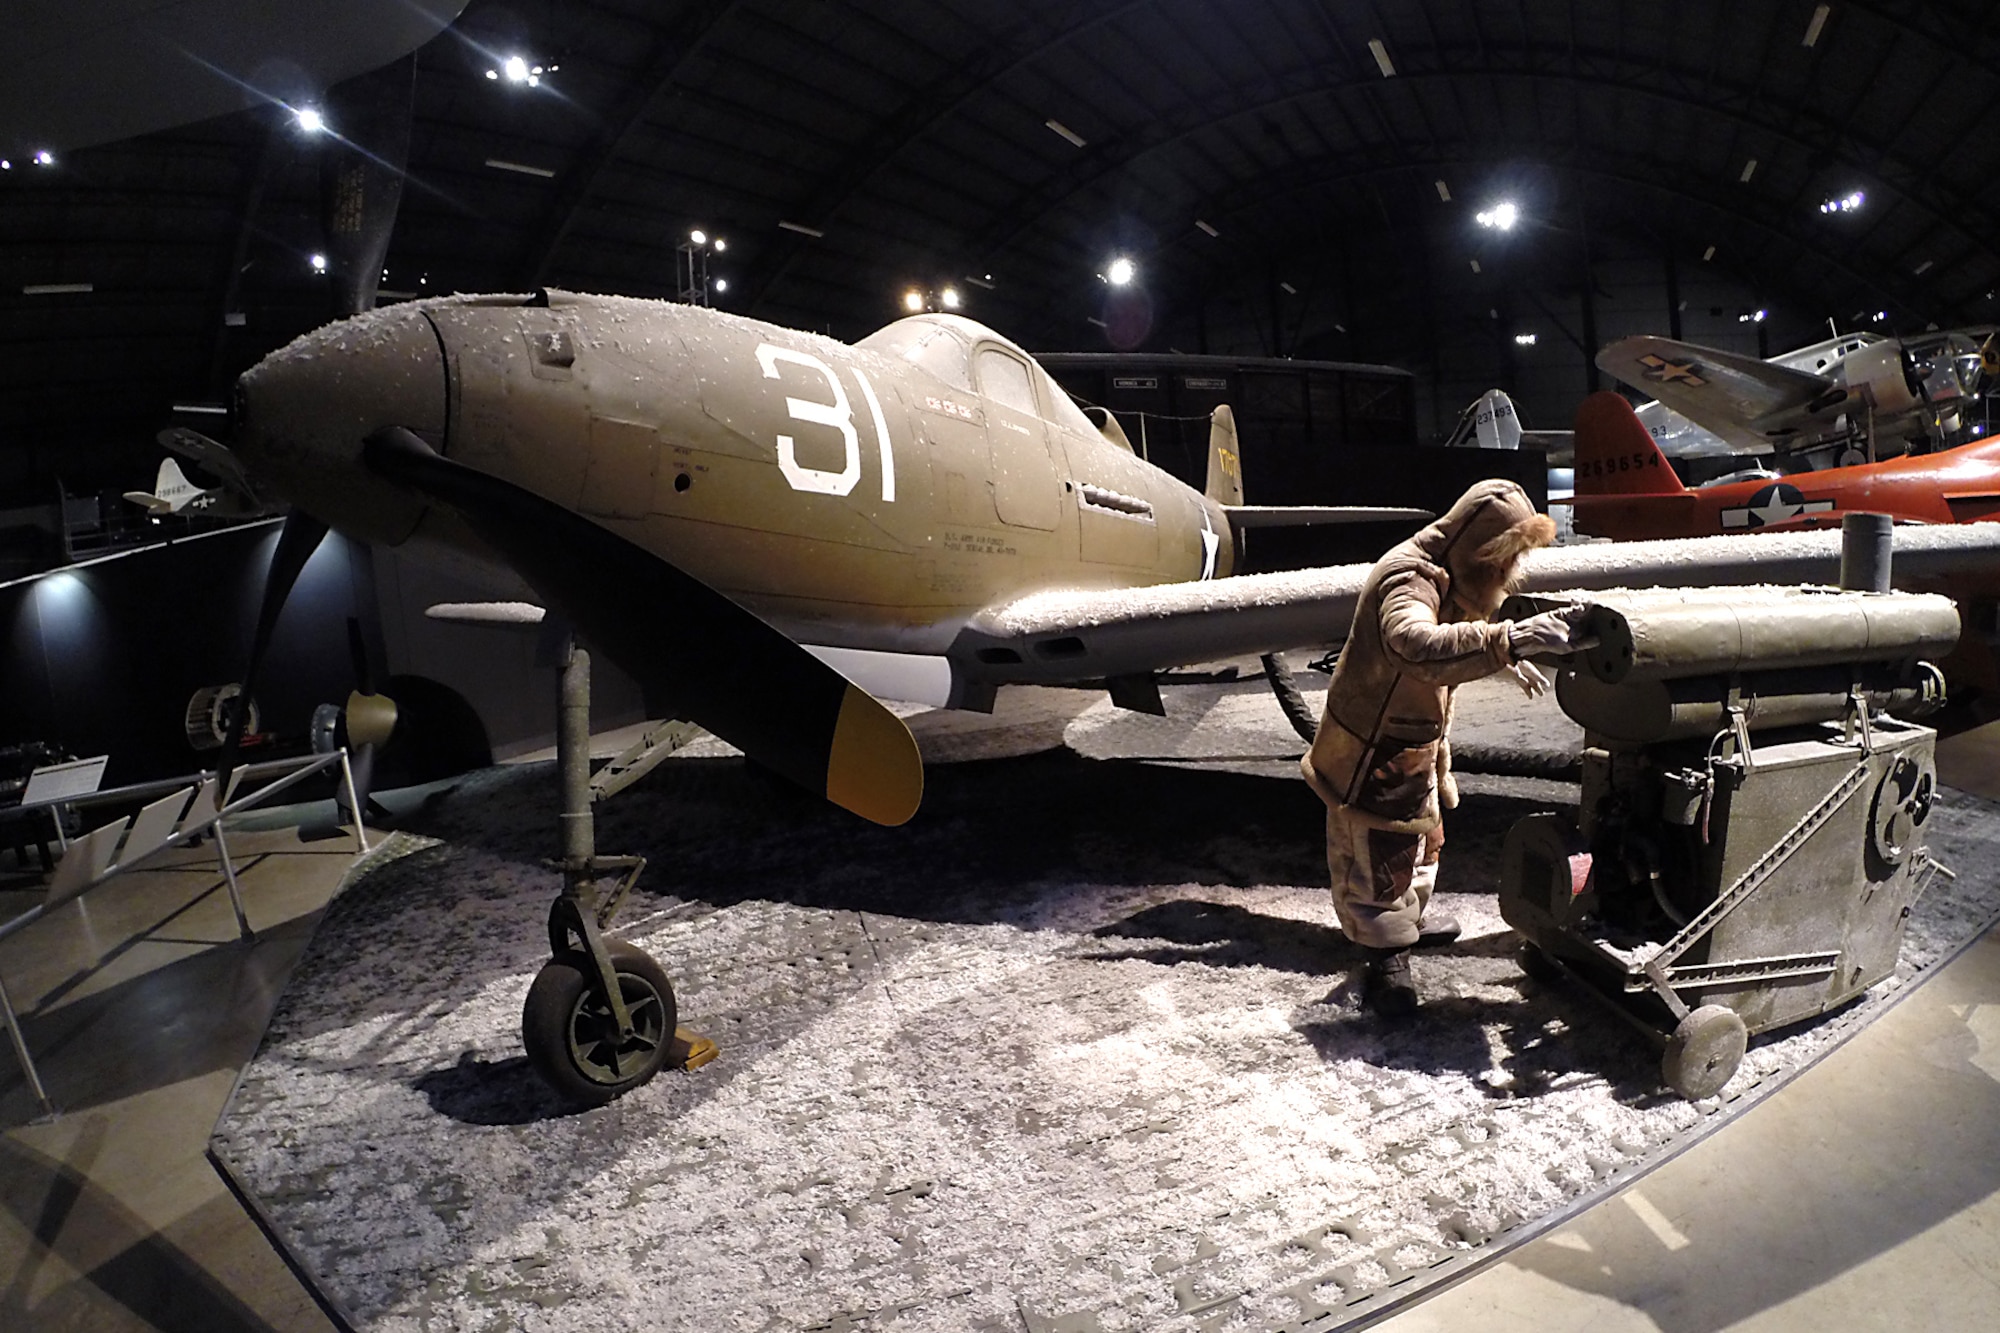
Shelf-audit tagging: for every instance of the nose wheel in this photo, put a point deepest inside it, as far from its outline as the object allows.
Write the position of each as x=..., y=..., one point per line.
x=574, y=1037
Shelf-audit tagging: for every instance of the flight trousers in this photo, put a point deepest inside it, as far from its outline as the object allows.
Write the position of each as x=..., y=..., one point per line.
x=1382, y=879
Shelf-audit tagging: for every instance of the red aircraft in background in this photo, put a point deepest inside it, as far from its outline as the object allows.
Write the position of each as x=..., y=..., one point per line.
x=1626, y=489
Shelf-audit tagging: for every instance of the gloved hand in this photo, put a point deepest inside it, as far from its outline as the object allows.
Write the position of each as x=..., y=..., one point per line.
x=1530, y=678
x=1547, y=634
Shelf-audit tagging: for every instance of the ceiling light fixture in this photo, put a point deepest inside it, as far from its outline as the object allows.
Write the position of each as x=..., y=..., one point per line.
x=518, y=70
x=520, y=168
x=1708, y=254
x=1749, y=170
x=698, y=236
x=1381, y=54
x=801, y=228
x=1847, y=203
x=319, y=263
x=1444, y=192
x=44, y=158
x=984, y=284
x=722, y=284
x=1524, y=340
x=1205, y=228
x=1288, y=289
x=1475, y=266
x=913, y=301
x=950, y=298
x=310, y=120
x=1817, y=22
x=1121, y=271
x=1501, y=217
x=1076, y=140
x=1924, y=267
x=57, y=289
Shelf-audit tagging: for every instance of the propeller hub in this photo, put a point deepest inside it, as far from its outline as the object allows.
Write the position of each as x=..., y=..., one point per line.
x=303, y=411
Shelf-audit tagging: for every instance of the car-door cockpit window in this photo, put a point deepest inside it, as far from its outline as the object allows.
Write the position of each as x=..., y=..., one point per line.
x=1004, y=378
x=930, y=346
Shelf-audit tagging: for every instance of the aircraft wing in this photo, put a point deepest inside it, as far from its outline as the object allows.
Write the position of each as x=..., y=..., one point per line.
x=1054, y=637
x=1737, y=397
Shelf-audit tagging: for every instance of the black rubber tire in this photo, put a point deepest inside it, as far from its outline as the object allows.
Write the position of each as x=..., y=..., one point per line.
x=1538, y=966
x=1704, y=1051
x=566, y=1024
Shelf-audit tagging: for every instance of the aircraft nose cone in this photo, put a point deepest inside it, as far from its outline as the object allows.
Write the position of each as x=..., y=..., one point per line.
x=303, y=411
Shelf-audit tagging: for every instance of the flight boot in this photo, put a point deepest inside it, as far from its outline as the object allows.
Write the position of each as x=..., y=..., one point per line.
x=1387, y=987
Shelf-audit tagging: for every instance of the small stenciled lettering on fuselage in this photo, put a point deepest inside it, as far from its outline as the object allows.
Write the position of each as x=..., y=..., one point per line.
x=950, y=408
x=838, y=413
x=1604, y=467
x=978, y=543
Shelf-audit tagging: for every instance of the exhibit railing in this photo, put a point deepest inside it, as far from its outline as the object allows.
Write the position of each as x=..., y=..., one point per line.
x=183, y=811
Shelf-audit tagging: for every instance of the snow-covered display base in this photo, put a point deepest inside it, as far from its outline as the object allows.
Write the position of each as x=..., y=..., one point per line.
x=1078, y=1050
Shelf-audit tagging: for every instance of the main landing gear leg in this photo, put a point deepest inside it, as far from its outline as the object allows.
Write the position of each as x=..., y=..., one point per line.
x=600, y=1018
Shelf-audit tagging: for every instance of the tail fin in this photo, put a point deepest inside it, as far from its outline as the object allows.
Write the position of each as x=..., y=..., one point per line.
x=1489, y=423
x=170, y=479
x=1225, y=459
x=1614, y=453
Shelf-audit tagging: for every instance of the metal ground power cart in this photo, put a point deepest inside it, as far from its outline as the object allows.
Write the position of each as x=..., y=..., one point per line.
x=1750, y=834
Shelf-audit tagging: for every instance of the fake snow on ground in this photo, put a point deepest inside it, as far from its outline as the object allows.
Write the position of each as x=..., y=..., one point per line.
x=1078, y=1049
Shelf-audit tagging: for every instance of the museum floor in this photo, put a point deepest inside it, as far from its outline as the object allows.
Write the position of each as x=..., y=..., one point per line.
x=1860, y=1196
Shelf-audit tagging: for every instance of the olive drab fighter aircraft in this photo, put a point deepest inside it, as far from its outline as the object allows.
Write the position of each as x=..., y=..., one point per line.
x=767, y=529
x=700, y=494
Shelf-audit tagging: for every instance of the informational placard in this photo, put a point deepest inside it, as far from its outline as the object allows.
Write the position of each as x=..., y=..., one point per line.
x=63, y=782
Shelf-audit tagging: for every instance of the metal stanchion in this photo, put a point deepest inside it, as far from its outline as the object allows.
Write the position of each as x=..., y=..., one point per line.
x=353, y=802
x=21, y=1053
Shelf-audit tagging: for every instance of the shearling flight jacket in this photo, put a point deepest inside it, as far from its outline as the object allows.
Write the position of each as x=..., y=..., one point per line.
x=1383, y=747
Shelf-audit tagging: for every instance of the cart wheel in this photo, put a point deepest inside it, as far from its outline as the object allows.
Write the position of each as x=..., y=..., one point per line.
x=1704, y=1051
x=1537, y=964
x=571, y=1036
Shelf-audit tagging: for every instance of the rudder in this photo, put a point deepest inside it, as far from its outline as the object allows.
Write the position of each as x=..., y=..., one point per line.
x=1225, y=459
x=1615, y=455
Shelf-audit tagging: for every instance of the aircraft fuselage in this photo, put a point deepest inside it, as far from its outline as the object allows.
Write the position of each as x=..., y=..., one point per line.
x=847, y=494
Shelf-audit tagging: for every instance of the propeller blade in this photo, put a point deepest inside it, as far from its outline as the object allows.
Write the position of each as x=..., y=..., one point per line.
x=713, y=662
x=297, y=540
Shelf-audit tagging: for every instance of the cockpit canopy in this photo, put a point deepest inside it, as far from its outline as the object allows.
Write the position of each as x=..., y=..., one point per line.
x=965, y=354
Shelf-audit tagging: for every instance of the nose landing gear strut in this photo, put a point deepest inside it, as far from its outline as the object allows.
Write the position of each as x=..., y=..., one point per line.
x=600, y=1018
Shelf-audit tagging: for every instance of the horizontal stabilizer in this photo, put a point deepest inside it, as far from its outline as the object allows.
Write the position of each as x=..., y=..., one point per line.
x=1302, y=516
x=152, y=504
